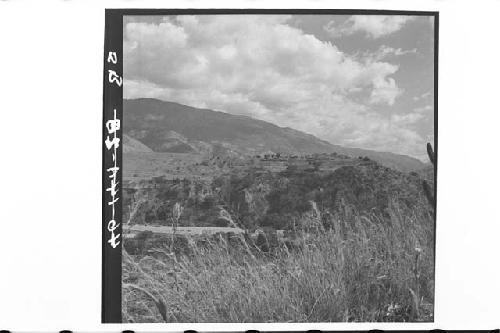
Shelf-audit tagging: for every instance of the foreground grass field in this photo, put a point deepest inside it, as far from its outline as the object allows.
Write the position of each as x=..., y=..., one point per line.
x=363, y=269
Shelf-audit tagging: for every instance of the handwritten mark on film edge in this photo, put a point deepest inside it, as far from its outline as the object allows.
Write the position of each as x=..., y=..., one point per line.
x=112, y=142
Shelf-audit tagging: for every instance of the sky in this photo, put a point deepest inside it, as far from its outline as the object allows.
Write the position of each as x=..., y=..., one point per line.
x=358, y=81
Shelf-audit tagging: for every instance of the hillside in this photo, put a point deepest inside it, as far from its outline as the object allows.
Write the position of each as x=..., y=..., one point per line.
x=175, y=128
x=268, y=213
x=132, y=145
x=257, y=197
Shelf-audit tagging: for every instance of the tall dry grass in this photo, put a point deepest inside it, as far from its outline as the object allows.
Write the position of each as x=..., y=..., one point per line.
x=363, y=268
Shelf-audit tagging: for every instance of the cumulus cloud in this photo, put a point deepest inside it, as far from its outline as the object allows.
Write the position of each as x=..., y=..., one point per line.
x=425, y=109
x=405, y=119
x=375, y=133
x=374, y=26
x=384, y=52
x=386, y=92
x=264, y=68
x=424, y=96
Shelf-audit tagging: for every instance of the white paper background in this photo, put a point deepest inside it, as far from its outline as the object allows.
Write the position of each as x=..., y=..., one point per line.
x=51, y=57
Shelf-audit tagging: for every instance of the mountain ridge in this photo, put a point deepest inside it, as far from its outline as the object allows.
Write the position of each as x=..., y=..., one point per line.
x=152, y=122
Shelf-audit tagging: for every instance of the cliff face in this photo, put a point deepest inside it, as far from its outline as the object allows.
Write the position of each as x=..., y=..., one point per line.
x=255, y=197
x=279, y=200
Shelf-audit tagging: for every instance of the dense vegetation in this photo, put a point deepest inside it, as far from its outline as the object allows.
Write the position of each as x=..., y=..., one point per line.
x=364, y=268
x=362, y=250
x=279, y=200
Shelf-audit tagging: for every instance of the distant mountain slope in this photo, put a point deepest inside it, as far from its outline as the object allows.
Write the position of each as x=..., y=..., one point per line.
x=172, y=127
x=399, y=162
x=133, y=145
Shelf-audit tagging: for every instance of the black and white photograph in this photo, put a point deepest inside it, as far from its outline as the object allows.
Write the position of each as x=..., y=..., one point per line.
x=249, y=166
x=279, y=168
